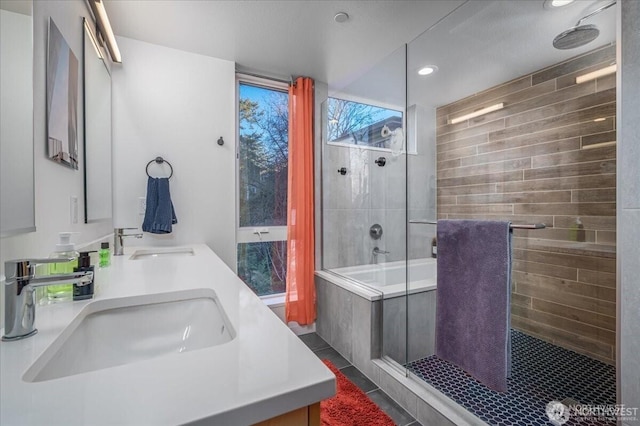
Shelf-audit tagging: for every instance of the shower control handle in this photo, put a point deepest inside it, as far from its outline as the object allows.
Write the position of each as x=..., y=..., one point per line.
x=375, y=231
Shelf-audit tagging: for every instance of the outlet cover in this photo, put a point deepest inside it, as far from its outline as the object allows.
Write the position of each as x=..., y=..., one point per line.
x=73, y=209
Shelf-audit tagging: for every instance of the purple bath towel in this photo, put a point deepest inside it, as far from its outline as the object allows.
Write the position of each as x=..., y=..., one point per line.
x=474, y=287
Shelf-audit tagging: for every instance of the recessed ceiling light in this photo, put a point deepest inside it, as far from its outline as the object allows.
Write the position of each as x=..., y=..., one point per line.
x=429, y=69
x=552, y=4
x=341, y=17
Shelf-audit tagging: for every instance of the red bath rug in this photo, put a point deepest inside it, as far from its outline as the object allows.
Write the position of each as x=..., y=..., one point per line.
x=350, y=406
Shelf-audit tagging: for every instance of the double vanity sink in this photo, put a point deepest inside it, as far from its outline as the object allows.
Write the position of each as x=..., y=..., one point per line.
x=162, y=252
x=113, y=332
x=172, y=336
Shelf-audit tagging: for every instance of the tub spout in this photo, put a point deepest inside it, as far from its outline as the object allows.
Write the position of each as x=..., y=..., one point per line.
x=376, y=251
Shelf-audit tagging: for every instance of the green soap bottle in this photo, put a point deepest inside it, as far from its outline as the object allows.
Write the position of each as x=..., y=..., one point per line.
x=64, y=249
x=105, y=255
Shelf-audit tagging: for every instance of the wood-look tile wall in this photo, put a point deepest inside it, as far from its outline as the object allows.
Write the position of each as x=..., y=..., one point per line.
x=549, y=156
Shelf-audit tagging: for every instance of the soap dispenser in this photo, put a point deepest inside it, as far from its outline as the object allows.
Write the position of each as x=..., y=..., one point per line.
x=84, y=264
x=64, y=249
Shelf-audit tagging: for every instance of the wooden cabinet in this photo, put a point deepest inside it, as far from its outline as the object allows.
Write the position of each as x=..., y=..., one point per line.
x=305, y=416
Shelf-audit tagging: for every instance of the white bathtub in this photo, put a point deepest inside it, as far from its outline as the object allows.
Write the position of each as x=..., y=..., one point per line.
x=384, y=280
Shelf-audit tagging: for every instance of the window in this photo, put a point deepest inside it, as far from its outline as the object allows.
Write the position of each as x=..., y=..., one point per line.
x=368, y=126
x=263, y=123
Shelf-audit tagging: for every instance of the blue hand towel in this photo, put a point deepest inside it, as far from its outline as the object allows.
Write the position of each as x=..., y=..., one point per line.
x=474, y=287
x=159, y=215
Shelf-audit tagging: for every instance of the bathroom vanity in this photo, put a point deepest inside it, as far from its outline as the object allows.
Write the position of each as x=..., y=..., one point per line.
x=171, y=337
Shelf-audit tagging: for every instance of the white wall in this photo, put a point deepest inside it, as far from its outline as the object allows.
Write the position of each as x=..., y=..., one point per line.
x=54, y=184
x=176, y=104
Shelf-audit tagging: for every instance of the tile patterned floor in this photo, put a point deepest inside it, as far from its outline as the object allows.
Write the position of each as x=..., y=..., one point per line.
x=541, y=372
x=388, y=405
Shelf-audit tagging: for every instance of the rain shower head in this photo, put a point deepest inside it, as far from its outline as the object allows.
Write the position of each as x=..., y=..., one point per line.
x=576, y=36
x=579, y=35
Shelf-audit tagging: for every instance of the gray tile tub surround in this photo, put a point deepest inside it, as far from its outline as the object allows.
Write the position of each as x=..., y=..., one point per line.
x=393, y=224
x=388, y=183
x=346, y=240
x=421, y=323
x=349, y=191
x=358, y=341
x=350, y=324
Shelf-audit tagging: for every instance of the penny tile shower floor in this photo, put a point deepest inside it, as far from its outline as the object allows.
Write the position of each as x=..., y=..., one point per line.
x=541, y=372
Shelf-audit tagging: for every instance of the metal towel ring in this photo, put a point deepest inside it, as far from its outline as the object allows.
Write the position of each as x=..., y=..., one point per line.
x=159, y=160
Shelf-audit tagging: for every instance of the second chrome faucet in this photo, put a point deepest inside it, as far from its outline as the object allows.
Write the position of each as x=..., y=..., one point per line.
x=118, y=240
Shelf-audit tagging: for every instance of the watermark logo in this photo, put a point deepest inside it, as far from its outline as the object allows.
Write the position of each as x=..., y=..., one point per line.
x=558, y=413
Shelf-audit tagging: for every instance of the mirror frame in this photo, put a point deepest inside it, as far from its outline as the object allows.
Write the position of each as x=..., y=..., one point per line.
x=88, y=32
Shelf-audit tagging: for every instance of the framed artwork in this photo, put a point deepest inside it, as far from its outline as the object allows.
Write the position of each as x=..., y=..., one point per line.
x=62, y=100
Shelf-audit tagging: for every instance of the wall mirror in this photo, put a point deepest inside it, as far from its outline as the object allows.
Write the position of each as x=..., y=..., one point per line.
x=97, y=131
x=17, y=208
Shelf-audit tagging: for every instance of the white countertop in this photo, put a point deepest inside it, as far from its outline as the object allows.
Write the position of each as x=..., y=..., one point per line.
x=263, y=372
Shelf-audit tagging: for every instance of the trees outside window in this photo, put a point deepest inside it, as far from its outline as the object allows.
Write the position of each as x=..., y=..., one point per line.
x=356, y=123
x=263, y=120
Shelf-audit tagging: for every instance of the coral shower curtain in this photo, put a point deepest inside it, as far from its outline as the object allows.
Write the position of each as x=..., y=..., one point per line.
x=300, y=305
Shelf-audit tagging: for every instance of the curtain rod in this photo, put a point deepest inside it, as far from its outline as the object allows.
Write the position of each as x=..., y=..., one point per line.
x=290, y=81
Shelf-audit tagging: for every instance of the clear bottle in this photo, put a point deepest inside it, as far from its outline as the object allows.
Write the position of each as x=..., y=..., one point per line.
x=576, y=232
x=64, y=249
x=434, y=248
x=105, y=255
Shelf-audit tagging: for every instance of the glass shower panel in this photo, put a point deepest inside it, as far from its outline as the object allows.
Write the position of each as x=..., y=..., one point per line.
x=508, y=129
x=364, y=192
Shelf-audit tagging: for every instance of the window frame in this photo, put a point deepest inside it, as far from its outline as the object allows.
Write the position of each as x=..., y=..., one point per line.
x=254, y=234
x=409, y=119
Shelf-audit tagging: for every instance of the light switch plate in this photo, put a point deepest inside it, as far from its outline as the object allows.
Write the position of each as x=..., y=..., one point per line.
x=142, y=205
x=73, y=209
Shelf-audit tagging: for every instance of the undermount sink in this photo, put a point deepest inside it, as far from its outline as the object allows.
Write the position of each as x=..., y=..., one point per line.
x=162, y=252
x=113, y=332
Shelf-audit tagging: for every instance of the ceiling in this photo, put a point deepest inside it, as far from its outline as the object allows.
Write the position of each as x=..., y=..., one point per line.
x=281, y=38
x=476, y=44
x=482, y=44
x=487, y=43
x=22, y=7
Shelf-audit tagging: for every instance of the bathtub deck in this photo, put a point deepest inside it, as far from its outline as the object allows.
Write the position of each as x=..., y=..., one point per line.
x=541, y=372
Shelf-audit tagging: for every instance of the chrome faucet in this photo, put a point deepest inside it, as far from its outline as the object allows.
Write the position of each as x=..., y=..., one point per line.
x=19, y=293
x=118, y=237
x=376, y=251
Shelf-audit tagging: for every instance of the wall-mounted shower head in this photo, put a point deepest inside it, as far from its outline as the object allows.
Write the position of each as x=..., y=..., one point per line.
x=579, y=35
